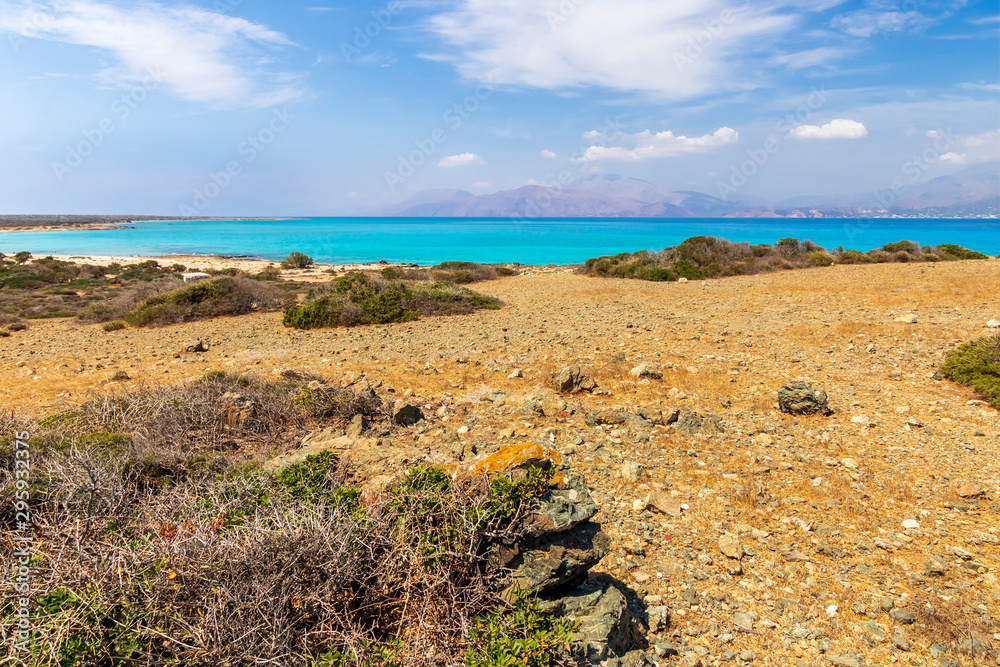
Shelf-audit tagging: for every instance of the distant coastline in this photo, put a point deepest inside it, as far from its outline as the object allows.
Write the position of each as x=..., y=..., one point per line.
x=68, y=223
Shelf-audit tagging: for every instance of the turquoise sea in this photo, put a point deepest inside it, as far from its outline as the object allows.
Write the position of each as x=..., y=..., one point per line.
x=491, y=240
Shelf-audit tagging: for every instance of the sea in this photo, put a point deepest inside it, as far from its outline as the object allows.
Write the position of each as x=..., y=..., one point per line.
x=427, y=241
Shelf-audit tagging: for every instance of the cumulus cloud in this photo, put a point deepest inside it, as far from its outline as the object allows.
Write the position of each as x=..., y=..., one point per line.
x=838, y=128
x=954, y=158
x=679, y=49
x=976, y=148
x=548, y=154
x=461, y=160
x=648, y=145
x=200, y=55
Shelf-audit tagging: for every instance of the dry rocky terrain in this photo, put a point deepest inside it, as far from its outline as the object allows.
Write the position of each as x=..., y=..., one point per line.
x=867, y=536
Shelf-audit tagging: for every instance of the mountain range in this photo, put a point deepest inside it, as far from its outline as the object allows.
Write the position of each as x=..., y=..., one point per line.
x=971, y=192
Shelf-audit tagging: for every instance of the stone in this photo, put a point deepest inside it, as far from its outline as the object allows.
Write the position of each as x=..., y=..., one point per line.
x=748, y=655
x=237, y=409
x=616, y=418
x=911, y=524
x=901, y=643
x=803, y=396
x=118, y=376
x=907, y=318
x=969, y=490
x=844, y=661
x=562, y=509
x=993, y=324
x=934, y=567
x=631, y=471
x=730, y=546
x=196, y=346
x=692, y=423
x=647, y=369
x=574, y=378
x=516, y=373
x=659, y=618
x=903, y=616
x=887, y=604
x=556, y=559
x=665, y=503
x=404, y=414
x=358, y=425
x=743, y=620
x=508, y=459
x=537, y=400
x=601, y=610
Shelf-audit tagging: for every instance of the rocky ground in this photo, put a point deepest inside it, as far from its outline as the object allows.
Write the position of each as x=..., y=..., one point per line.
x=867, y=536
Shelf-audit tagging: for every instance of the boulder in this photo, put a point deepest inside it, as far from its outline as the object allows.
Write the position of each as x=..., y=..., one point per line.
x=803, y=397
x=404, y=414
x=237, y=409
x=358, y=425
x=574, y=378
x=605, y=627
x=556, y=559
x=618, y=418
x=510, y=459
x=692, y=423
x=563, y=509
x=536, y=400
x=647, y=369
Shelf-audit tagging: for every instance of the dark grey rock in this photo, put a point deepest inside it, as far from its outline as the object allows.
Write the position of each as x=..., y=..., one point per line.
x=404, y=414
x=574, y=378
x=692, y=423
x=616, y=418
x=557, y=559
x=903, y=616
x=605, y=627
x=803, y=397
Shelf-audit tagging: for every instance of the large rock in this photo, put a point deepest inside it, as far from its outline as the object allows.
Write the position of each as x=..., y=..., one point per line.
x=647, y=369
x=692, y=423
x=574, y=378
x=536, y=401
x=510, y=459
x=618, y=418
x=237, y=409
x=562, y=509
x=605, y=627
x=557, y=559
x=404, y=414
x=803, y=397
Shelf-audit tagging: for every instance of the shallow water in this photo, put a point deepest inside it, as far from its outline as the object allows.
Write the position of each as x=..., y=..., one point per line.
x=491, y=240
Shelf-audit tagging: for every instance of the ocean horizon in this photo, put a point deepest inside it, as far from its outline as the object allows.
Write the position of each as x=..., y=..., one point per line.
x=345, y=240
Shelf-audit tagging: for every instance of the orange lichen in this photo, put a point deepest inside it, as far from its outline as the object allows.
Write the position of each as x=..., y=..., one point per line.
x=511, y=457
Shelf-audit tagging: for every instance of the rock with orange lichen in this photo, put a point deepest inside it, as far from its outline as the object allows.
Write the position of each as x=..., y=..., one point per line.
x=524, y=456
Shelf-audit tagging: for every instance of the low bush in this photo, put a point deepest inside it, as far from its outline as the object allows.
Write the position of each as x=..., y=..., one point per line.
x=208, y=298
x=114, y=325
x=162, y=560
x=360, y=298
x=297, y=260
x=977, y=364
x=701, y=257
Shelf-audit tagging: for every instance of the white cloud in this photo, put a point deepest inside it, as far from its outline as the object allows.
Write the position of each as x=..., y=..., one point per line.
x=461, y=160
x=202, y=56
x=548, y=154
x=867, y=22
x=954, y=158
x=838, y=128
x=649, y=145
x=810, y=58
x=679, y=49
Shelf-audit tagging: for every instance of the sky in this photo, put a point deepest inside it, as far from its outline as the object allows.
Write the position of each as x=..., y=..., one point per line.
x=252, y=108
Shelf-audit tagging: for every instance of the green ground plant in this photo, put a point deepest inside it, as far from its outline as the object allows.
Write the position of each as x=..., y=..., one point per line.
x=977, y=364
x=360, y=298
x=701, y=257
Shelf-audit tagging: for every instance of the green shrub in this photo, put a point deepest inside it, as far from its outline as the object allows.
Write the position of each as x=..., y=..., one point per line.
x=114, y=325
x=297, y=260
x=901, y=246
x=521, y=635
x=977, y=364
x=950, y=251
x=821, y=259
x=852, y=257
x=209, y=298
x=312, y=481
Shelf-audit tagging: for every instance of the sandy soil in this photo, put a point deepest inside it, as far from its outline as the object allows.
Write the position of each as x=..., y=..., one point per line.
x=818, y=502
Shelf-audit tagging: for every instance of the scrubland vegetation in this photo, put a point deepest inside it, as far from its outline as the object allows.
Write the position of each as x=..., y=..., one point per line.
x=702, y=257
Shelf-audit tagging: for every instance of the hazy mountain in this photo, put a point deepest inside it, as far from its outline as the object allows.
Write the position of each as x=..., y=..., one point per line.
x=972, y=191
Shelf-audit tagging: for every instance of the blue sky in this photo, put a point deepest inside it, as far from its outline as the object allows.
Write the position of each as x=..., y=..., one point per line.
x=244, y=107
